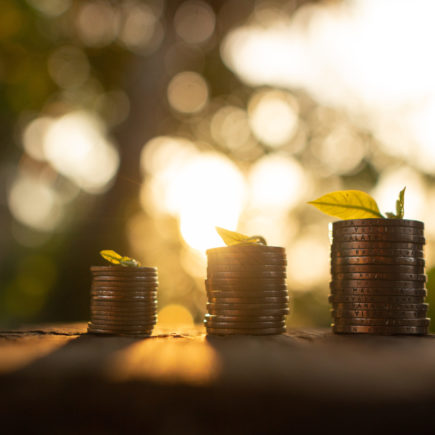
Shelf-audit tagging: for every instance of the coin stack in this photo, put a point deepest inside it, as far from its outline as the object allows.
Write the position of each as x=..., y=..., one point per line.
x=123, y=300
x=246, y=290
x=378, y=280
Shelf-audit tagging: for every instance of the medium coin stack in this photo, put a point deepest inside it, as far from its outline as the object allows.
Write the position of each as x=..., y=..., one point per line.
x=246, y=290
x=378, y=280
x=123, y=300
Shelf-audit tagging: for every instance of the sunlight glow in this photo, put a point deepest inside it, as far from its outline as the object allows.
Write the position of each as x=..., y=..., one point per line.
x=77, y=146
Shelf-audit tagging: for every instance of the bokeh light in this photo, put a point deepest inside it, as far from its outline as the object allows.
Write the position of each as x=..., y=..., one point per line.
x=194, y=21
x=188, y=92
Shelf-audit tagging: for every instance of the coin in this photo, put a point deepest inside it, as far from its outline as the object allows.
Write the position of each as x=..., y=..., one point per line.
x=362, y=260
x=408, y=314
x=245, y=286
x=246, y=274
x=345, y=298
x=365, y=321
x=340, y=245
x=246, y=294
x=247, y=318
x=380, y=276
x=249, y=262
x=249, y=331
x=377, y=222
x=374, y=268
x=381, y=330
x=125, y=284
x=123, y=326
x=254, y=248
x=122, y=279
x=123, y=269
x=337, y=251
x=358, y=283
x=109, y=291
x=93, y=329
x=122, y=322
x=378, y=238
x=238, y=324
x=248, y=268
x=144, y=298
x=257, y=300
x=123, y=316
x=378, y=229
x=378, y=306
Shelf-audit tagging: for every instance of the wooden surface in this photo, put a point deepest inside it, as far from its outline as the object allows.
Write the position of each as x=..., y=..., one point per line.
x=59, y=377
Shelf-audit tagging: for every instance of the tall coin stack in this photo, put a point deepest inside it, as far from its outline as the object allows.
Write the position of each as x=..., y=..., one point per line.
x=246, y=290
x=378, y=280
x=123, y=300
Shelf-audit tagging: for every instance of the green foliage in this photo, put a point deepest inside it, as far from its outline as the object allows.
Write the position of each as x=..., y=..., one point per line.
x=400, y=206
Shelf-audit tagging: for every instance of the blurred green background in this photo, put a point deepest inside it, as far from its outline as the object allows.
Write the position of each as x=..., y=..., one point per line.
x=140, y=125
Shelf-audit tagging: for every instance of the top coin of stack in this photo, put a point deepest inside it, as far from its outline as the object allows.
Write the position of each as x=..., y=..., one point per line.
x=246, y=290
x=123, y=300
x=378, y=280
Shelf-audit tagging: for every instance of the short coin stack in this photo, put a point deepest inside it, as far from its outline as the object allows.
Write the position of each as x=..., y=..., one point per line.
x=123, y=300
x=378, y=280
x=246, y=290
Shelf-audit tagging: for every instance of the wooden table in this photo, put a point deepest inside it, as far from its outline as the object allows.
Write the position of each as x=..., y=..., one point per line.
x=58, y=379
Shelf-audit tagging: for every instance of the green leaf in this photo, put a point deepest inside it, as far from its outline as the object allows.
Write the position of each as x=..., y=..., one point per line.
x=400, y=206
x=114, y=258
x=232, y=238
x=348, y=204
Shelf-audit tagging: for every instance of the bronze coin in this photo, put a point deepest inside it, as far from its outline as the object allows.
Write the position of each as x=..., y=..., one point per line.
x=249, y=331
x=374, y=268
x=382, y=245
x=345, y=298
x=107, y=321
x=337, y=252
x=378, y=237
x=378, y=260
x=251, y=325
x=378, y=306
x=244, y=268
x=375, y=314
x=144, y=332
x=248, y=249
x=245, y=294
x=247, y=318
x=378, y=222
x=125, y=280
x=110, y=292
x=245, y=274
x=380, y=276
x=122, y=327
x=358, y=283
x=380, y=330
x=244, y=286
x=245, y=300
x=365, y=321
x=378, y=229
x=123, y=269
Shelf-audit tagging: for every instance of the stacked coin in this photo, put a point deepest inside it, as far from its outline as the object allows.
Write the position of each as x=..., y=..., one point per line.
x=246, y=290
x=378, y=280
x=123, y=300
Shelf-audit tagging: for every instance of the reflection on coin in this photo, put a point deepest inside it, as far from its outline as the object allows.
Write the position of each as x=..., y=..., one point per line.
x=242, y=301
x=252, y=248
x=340, y=245
x=115, y=331
x=366, y=321
x=249, y=331
x=377, y=222
x=246, y=294
x=247, y=318
x=377, y=238
x=250, y=268
x=355, y=283
x=134, y=279
x=408, y=314
x=119, y=315
x=381, y=330
x=377, y=260
x=230, y=312
x=246, y=274
x=337, y=251
x=346, y=298
x=376, y=268
x=377, y=306
x=380, y=276
x=379, y=229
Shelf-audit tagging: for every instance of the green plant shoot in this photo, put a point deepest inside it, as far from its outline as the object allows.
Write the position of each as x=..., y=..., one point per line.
x=114, y=258
x=232, y=238
x=355, y=204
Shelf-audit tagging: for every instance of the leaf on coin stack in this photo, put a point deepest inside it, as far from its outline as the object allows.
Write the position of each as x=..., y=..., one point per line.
x=400, y=206
x=232, y=238
x=114, y=258
x=348, y=204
